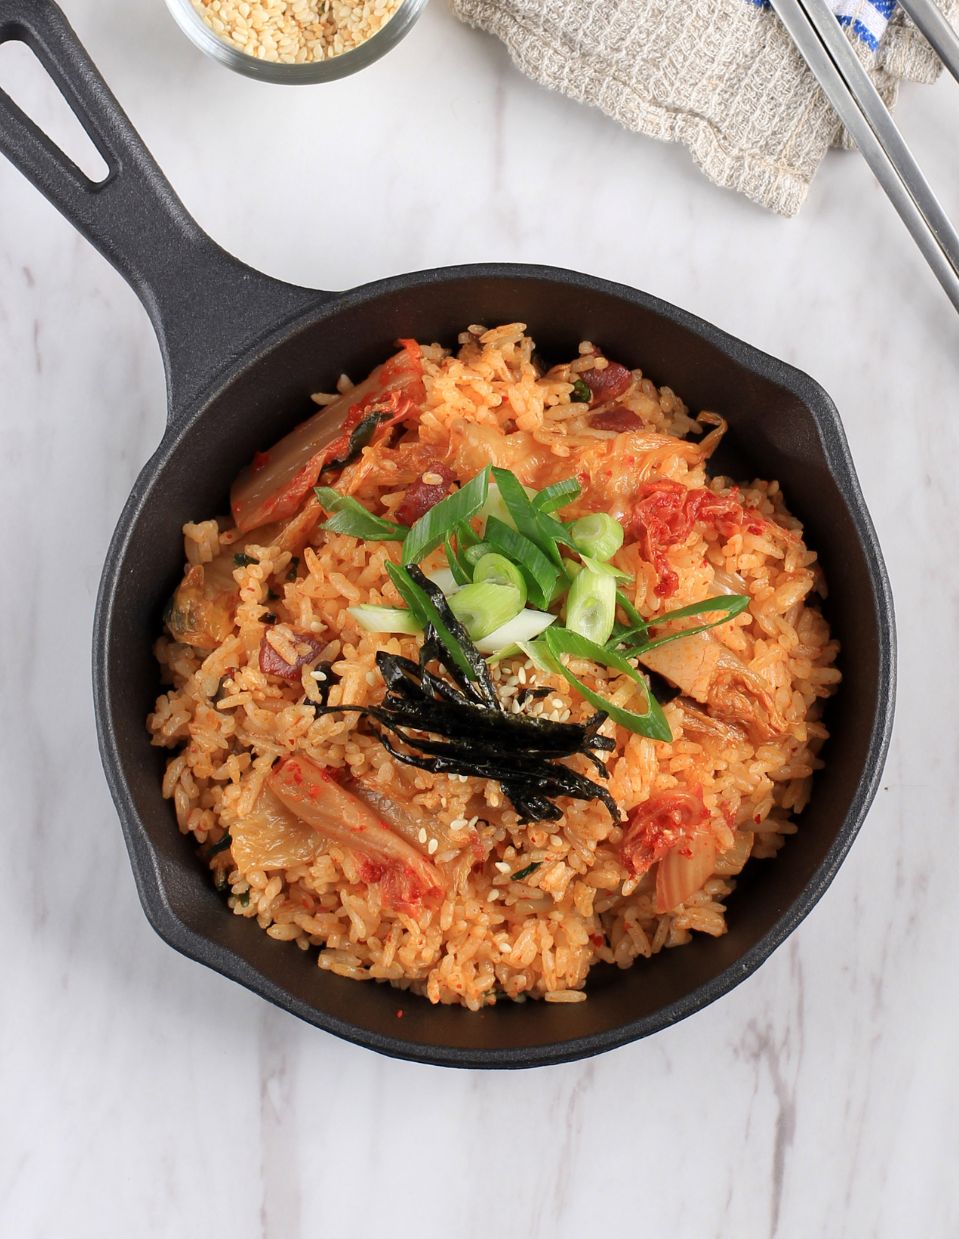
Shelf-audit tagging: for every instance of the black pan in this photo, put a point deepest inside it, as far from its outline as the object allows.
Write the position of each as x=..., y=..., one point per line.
x=242, y=352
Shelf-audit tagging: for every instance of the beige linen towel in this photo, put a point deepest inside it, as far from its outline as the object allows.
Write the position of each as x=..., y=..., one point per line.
x=720, y=76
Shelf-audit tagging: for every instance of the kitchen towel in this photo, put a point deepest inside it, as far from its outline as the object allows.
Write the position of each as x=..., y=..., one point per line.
x=720, y=76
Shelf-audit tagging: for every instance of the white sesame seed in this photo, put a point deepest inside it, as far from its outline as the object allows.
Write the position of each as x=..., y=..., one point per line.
x=502, y=866
x=492, y=896
x=432, y=847
x=422, y=836
x=297, y=31
x=318, y=675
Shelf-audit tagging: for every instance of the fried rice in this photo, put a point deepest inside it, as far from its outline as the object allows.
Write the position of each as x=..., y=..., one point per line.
x=528, y=908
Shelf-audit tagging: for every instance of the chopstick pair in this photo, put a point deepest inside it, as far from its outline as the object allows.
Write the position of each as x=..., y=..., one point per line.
x=829, y=54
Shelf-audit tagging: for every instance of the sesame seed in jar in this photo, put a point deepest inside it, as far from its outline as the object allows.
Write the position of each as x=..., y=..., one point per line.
x=296, y=33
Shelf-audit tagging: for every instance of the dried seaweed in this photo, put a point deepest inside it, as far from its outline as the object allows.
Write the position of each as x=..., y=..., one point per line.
x=447, y=724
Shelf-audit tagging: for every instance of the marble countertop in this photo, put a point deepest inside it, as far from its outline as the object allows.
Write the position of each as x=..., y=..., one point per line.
x=143, y=1095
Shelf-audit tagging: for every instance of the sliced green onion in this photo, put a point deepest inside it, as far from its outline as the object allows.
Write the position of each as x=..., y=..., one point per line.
x=534, y=525
x=465, y=537
x=557, y=496
x=591, y=605
x=522, y=874
x=348, y=516
x=540, y=657
x=458, y=567
x=598, y=565
x=473, y=554
x=555, y=534
x=498, y=570
x=431, y=529
x=729, y=605
x=420, y=603
x=651, y=723
x=482, y=607
x=634, y=617
x=523, y=627
x=496, y=505
x=597, y=535
x=443, y=579
x=385, y=619
x=581, y=393
x=541, y=575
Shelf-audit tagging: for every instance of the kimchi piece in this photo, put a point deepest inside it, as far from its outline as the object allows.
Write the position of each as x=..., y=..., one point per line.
x=274, y=485
x=309, y=791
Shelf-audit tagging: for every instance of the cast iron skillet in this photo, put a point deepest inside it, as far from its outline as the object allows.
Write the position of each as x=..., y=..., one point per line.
x=241, y=353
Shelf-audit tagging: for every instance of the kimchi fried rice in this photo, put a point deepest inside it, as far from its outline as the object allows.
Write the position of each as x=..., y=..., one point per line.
x=261, y=634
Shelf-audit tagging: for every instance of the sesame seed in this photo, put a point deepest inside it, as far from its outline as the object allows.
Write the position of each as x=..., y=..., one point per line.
x=502, y=866
x=432, y=847
x=432, y=479
x=296, y=31
x=422, y=836
x=318, y=675
x=492, y=896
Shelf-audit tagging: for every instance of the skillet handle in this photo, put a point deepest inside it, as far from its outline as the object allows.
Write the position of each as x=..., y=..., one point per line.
x=208, y=309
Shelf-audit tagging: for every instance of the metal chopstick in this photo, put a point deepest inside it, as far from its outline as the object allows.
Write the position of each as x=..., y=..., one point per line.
x=830, y=56
x=942, y=38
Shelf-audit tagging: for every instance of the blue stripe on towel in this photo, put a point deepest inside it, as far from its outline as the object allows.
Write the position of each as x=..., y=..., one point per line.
x=866, y=18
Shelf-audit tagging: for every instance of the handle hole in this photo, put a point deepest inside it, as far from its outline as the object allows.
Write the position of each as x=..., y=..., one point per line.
x=27, y=82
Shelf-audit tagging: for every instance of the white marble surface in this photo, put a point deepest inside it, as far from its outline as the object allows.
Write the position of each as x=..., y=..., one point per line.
x=141, y=1094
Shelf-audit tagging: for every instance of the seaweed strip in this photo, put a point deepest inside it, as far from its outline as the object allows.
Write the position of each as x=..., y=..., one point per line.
x=478, y=738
